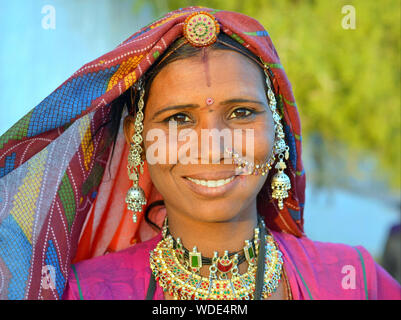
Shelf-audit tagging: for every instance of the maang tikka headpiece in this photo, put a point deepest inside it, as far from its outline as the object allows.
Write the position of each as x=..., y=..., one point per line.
x=135, y=197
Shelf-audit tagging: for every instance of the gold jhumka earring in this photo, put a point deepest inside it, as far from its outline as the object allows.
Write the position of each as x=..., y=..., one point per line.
x=135, y=197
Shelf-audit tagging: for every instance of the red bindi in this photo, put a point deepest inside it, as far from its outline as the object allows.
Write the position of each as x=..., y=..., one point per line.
x=209, y=101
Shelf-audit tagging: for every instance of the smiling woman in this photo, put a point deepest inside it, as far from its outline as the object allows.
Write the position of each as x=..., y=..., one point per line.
x=240, y=102
x=199, y=109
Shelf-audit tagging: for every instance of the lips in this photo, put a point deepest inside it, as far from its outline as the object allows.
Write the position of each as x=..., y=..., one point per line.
x=212, y=184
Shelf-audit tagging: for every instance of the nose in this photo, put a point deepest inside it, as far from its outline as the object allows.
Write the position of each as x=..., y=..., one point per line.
x=214, y=137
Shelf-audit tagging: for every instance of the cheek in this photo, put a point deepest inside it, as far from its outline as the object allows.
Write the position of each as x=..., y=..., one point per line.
x=156, y=155
x=261, y=138
x=265, y=140
x=161, y=178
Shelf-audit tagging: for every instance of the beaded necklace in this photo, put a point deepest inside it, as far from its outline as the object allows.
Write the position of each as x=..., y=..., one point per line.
x=180, y=277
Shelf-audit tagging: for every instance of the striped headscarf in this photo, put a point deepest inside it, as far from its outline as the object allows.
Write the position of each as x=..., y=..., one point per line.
x=53, y=165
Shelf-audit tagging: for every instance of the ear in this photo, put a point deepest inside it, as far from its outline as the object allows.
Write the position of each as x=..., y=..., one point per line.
x=129, y=128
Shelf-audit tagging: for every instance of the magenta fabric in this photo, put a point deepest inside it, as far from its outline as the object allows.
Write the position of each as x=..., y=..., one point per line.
x=315, y=270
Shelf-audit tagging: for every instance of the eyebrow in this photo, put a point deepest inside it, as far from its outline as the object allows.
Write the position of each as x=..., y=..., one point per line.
x=240, y=100
x=194, y=106
x=176, y=107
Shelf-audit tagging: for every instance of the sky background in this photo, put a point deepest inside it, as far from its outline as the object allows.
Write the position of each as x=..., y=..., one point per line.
x=34, y=61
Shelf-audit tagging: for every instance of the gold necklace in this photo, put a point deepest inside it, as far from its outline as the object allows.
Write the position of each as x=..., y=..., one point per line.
x=187, y=284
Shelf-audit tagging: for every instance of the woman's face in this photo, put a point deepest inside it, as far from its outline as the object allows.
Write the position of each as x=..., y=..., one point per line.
x=223, y=94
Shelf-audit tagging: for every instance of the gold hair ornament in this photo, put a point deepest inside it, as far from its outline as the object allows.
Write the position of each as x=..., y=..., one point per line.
x=201, y=29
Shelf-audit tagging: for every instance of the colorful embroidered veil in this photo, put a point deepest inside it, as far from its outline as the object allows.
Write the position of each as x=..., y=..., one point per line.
x=58, y=202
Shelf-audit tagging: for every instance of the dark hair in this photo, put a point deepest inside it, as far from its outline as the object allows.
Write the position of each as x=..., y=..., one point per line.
x=176, y=51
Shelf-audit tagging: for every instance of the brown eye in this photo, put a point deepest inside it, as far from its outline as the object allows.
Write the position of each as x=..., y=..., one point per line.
x=240, y=113
x=180, y=118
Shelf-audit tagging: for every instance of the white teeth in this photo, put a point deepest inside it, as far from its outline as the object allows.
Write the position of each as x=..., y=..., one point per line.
x=212, y=183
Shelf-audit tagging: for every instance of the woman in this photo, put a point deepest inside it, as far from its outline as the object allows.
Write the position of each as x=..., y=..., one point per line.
x=231, y=217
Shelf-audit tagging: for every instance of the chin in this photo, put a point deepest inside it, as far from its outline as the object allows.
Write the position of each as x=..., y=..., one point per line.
x=224, y=212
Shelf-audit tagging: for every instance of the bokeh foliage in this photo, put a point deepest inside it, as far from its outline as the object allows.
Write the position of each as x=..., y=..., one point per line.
x=346, y=82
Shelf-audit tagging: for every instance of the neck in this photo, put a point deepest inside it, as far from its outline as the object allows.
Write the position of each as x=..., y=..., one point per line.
x=208, y=236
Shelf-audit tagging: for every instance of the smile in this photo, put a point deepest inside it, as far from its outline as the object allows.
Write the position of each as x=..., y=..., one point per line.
x=212, y=183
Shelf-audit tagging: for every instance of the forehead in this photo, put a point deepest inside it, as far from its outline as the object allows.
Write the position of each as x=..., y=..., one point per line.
x=223, y=75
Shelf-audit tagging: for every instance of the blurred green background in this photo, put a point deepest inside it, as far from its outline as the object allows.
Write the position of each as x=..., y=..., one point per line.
x=346, y=82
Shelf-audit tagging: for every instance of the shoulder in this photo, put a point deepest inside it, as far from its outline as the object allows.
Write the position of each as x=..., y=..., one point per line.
x=118, y=275
x=336, y=270
x=326, y=253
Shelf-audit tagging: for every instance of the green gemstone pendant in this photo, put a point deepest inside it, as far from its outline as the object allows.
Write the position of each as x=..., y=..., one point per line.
x=195, y=260
x=249, y=252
